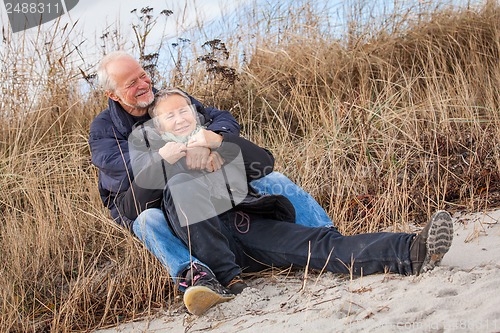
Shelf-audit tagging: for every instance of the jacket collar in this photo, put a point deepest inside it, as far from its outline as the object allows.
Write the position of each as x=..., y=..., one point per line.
x=122, y=120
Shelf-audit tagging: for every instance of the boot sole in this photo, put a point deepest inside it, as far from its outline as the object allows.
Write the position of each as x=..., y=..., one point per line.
x=199, y=299
x=439, y=240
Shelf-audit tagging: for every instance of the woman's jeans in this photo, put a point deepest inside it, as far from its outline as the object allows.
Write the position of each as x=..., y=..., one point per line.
x=234, y=239
x=152, y=228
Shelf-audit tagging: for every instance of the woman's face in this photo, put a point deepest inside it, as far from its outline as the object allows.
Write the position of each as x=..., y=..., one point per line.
x=176, y=116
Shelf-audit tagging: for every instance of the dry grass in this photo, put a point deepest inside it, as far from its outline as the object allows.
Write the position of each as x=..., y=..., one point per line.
x=381, y=126
x=386, y=129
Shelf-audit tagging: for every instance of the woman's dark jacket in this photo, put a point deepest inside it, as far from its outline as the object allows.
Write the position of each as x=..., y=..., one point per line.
x=256, y=162
x=108, y=140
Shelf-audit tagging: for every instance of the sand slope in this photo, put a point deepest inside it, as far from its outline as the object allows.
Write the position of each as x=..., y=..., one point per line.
x=462, y=295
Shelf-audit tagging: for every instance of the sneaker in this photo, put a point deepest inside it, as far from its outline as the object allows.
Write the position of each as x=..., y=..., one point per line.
x=203, y=291
x=429, y=247
x=236, y=285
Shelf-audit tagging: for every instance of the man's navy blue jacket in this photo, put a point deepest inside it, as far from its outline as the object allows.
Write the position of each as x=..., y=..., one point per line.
x=108, y=137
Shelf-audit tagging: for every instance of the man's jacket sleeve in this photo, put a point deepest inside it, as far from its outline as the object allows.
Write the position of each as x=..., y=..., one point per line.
x=258, y=162
x=111, y=156
x=140, y=196
x=217, y=121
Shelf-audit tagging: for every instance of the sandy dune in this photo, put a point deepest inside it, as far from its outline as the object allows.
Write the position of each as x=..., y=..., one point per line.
x=462, y=295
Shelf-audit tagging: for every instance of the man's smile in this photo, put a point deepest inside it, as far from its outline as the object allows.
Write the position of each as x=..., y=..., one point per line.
x=142, y=93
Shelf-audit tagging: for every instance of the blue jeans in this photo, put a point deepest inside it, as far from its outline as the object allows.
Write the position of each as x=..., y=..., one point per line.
x=152, y=228
x=244, y=240
x=307, y=211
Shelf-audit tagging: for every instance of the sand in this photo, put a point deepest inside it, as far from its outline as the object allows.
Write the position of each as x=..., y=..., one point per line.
x=461, y=295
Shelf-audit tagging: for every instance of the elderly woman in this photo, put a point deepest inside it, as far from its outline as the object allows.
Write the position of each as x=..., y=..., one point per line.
x=252, y=232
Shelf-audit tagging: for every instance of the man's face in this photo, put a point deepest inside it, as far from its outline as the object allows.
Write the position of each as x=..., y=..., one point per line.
x=176, y=116
x=133, y=86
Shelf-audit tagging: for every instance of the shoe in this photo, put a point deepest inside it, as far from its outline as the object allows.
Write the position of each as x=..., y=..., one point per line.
x=236, y=285
x=203, y=290
x=429, y=247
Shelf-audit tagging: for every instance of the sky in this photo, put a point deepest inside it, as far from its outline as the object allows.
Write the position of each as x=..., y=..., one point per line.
x=95, y=17
x=94, y=14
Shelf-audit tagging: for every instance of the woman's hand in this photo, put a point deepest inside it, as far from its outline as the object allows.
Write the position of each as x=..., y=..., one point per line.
x=205, y=138
x=173, y=151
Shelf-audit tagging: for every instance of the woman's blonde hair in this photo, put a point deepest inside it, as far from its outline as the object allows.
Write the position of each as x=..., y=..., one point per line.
x=163, y=94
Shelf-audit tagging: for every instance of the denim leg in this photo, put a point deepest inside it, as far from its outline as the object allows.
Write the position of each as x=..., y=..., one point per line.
x=278, y=243
x=308, y=212
x=152, y=229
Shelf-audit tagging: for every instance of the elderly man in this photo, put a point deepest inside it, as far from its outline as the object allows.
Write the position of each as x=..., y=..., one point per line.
x=130, y=92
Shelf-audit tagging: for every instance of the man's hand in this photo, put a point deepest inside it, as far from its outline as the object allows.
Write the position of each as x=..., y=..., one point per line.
x=172, y=151
x=205, y=138
x=197, y=158
x=215, y=162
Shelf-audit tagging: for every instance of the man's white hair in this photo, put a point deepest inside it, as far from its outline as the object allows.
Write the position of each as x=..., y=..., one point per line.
x=105, y=80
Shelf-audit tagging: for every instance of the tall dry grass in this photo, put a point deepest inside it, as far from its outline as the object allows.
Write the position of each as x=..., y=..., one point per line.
x=385, y=125
x=382, y=125
x=65, y=266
